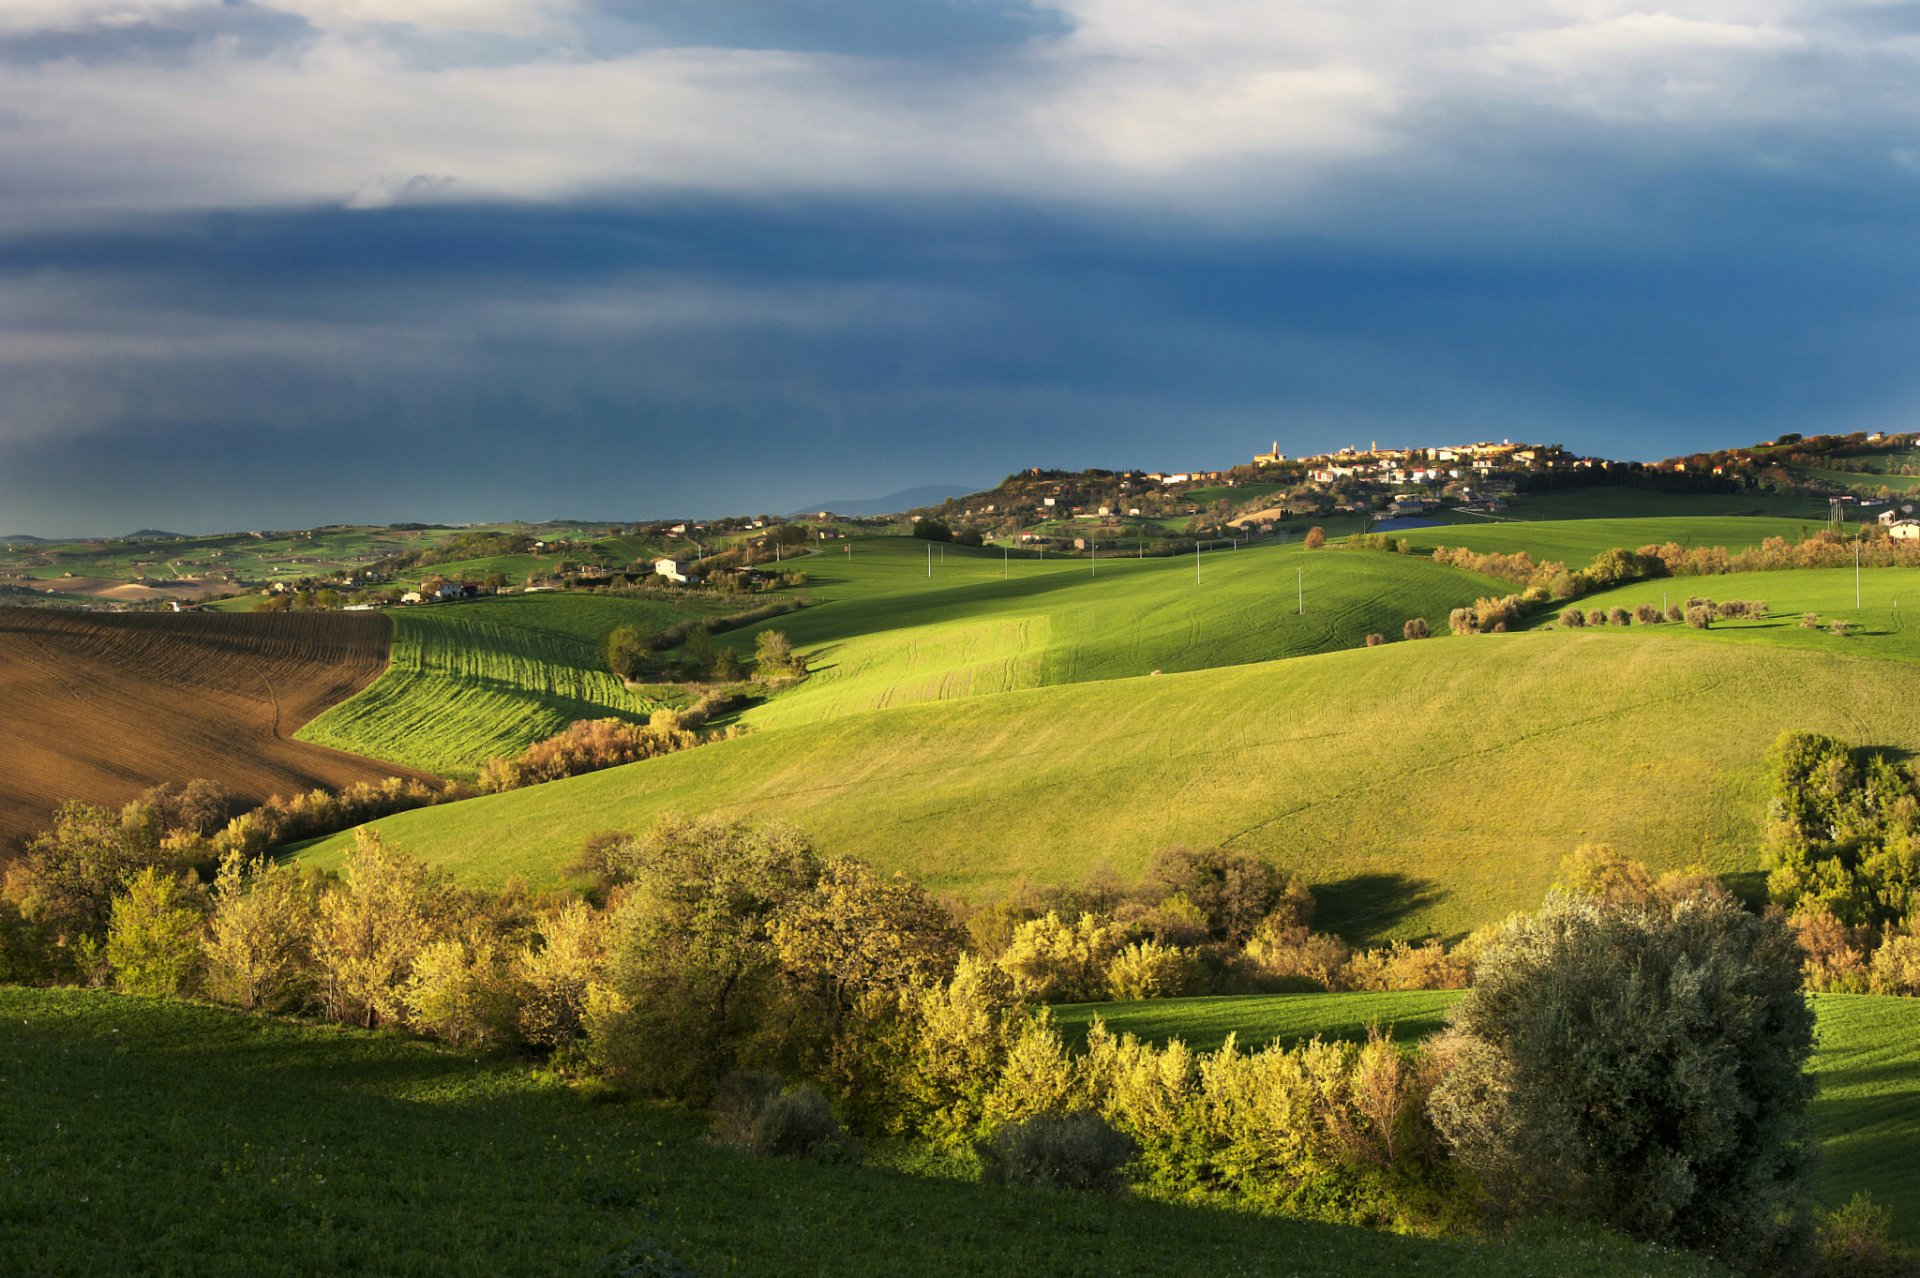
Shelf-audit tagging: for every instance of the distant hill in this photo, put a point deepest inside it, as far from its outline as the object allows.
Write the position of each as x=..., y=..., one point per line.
x=892, y=503
x=22, y=538
x=152, y=534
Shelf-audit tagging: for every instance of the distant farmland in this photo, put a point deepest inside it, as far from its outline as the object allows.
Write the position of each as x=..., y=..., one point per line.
x=98, y=706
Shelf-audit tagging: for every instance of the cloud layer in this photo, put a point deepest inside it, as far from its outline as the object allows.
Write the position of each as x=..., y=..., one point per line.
x=932, y=236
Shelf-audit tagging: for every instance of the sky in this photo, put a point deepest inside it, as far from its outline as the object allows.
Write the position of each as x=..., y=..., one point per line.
x=287, y=262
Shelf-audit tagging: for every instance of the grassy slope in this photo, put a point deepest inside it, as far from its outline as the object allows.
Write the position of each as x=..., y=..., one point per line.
x=1887, y=626
x=472, y=681
x=1863, y=481
x=208, y=1143
x=886, y=633
x=1575, y=542
x=1866, y=1056
x=1424, y=787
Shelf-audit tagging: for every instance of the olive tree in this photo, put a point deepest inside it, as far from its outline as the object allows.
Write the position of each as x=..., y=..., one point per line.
x=1643, y=1065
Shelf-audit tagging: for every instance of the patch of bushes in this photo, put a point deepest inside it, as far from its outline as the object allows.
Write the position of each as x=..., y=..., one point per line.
x=1080, y=1150
x=757, y=1112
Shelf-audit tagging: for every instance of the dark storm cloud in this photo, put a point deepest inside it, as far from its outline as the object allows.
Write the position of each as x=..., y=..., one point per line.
x=309, y=260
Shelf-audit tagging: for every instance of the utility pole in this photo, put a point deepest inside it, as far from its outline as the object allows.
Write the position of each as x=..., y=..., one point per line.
x=1856, y=574
x=1006, y=563
x=1300, y=584
x=1196, y=563
x=929, y=559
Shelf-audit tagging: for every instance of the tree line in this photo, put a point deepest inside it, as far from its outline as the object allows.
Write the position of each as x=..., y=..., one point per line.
x=1632, y=1054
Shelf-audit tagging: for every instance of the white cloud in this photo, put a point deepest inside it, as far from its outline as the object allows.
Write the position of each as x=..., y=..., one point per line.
x=1162, y=101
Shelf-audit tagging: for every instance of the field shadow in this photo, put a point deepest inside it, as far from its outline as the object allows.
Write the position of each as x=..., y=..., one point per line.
x=1749, y=887
x=1366, y=905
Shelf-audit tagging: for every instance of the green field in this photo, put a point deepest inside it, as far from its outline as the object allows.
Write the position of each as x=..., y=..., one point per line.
x=1866, y=1057
x=1887, y=626
x=1257, y=1019
x=884, y=632
x=1862, y=481
x=1575, y=542
x=178, y=1139
x=473, y=681
x=1424, y=788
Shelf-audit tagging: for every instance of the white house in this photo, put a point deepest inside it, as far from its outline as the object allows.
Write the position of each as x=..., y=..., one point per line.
x=672, y=569
x=1904, y=530
x=411, y=597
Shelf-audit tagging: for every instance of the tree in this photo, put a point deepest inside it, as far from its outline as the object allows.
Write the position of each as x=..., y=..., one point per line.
x=1416, y=628
x=153, y=937
x=773, y=653
x=693, y=983
x=628, y=648
x=1643, y=1066
x=858, y=931
x=462, y=988
x=373, y=924
x=555, y=971
x=260, y=940
x=932, y=530
x=1316, y=537
x=67, y=880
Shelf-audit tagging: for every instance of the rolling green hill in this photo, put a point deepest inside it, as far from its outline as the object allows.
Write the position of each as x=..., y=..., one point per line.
x=1423, y=787
x=1886, y=626
x=1866, y=1057
x=1862, y=481
x=472, y=681
x=884, y=632
x=267, y=1148
x=1575, y=542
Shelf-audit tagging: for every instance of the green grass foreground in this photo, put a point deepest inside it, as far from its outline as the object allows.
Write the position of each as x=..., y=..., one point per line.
x=143, y=1136
x=1424, y=788
x=1866, y=1057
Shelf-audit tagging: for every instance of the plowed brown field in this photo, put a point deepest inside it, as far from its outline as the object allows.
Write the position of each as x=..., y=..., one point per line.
x=99, y=706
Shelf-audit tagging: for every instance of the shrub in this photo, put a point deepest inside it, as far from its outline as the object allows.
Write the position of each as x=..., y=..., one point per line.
x=1147, y=969
x=1589, y=1019
x=1053, y=961
x=1288, y=956
x=1596, y=616
x=1401, y=966
x=1838, y=628
x=372, y=926
x=1647, y=615
x=754, y=1111
x=588, y=745
x=1060, y=1151
x=1809, y=621
x=553, y=973
x=1460, y=621
x=1895, y=968
x=1375, y=640
x=153, y=935
x=1416, y=628
x=462, y=990
x=773, y=653
x=1619, y=617
x=693, y=987
x=1573, y=618
x=1316, y=537
x=1700, y=616
x=1233, y=890
x=1676, y=613
x=1855, y=1242
x=259, y=946
x=1833, y=955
